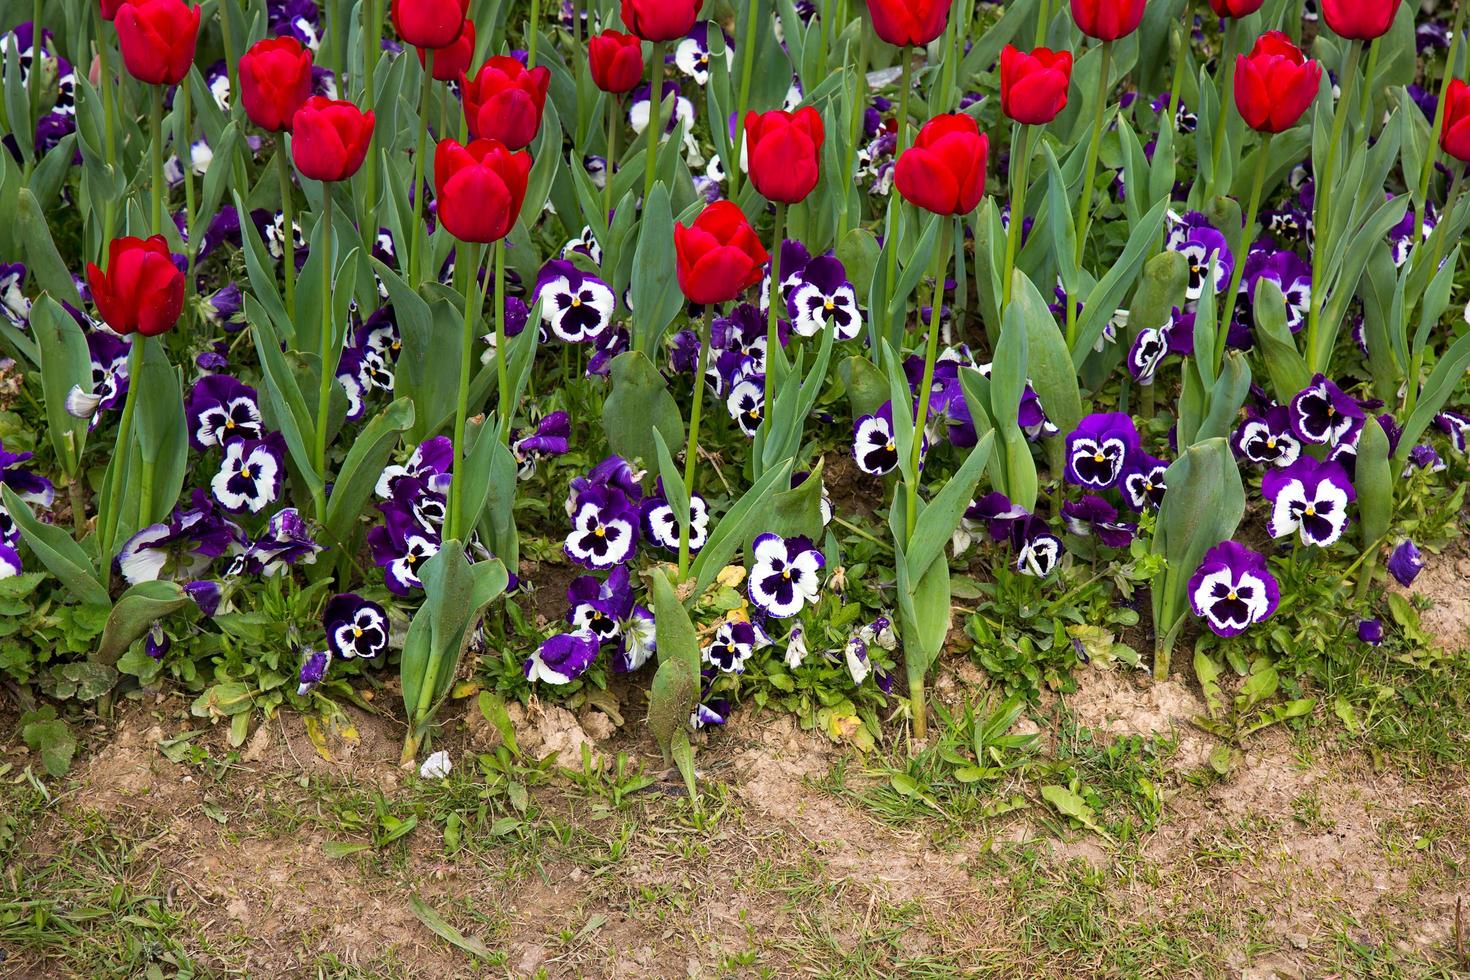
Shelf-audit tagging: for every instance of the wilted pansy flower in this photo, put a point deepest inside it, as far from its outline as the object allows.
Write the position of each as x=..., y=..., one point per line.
x=109, y=380
x=1266, y=438
x=14, y=305
x=785, y=574
x=822, y=297
x=1456, y=426
x=400, y=548
x=1038, y=550
x=1370, y=631
x=156, y=642
x=855, y=652
x=1310, y=498
x=1098, y=448
x=575, y=306
x=250, y=474
x=1092, y=515
x=355, y=627
x=181, y=548
x=29, y=486
x=691, y=55
x=731, y=646
x=562, y=658
x=604, y=529
x=220, y=409
x=1322, y=414
x=1405, y=563
x=662, y=527
x=550, y=437
x=313, y=670
x=287, y=541
x=1232, y=589
x=206, y=595
x=796, y=650
x=430, y=463
x=1424, y=457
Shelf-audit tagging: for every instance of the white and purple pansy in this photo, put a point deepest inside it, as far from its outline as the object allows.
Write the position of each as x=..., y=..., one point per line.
x=638, y=111
x=691, y=55
x=1210, y=261
x=604, y=528
x=221, y=409
x=1308, y=498
x=251, y=473
x=430, y=463
x=639, y=637
x=1321, y=414
x=821, y=298
x=615, y=472
x=355, y=627
x=785, y=574
x=181, y=548
x=576, y=307
x=1232, y=589
x=1457, y=427
x=550, y=437
x=1098, y=448
x=1038, y=550
x=1143, y=483
x=730, y=647
x=746, y=403
x=1291, y=274
x=424, y=507
x=400, y=549
x=109, y=379
x=30, y=487
x=1092, y=515
x=313, y=670
x=873, y=443
x=287, y=541
x=14, y=305
x=1153, y=345
x=1265, y=438
x=10, y=565
x=661, y=526
x=794, y=260
x=562, y=658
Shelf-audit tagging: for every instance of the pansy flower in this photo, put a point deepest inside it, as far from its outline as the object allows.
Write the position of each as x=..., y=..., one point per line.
x=1211, y=263
x=795, y=257
x=430, y=463
x=1153, y=345
x=183, y=547
x=313, y=671
x=662, y=527
x=14, y=305
x=400, y=549
x=207, y=596
x=796, y=649
x=823, y=297
x=691, y=55
x=550, y=437
x=1423, y=457
x=250, y=475
x=746, y=403
x=710, y=711
x=1098, y=448
x=1405, y=563
x=576, y=307
x=1265, y=438
x=1038, y=550
x=1092, y=515
x=785, y=574
x=355, y=627
x=638, y=112
x=1308, y=498
x=1233, y=589
x=109, y=379
x=604, y=529
x=730, y=647
x=1401, y=238
x=1321, y=414
x=1291, y=274
x=287, y=541
x=28, y=486
x=424, y=507
x=221, y=409
x=1456, y=426
x=615, y=472
x=562, y=658
x=873, y=442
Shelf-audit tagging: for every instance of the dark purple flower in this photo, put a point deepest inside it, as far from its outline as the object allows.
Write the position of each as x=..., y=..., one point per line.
x=1309, y=498
x=604, y=528
x=731, y=646
x=1370, y=631
x=287, y=541
x=1265, y=438
x=576, y=307
x=206, y=596
x=1098, y=448
x=661, y=526
x=181, y=548
x=220, y=410
x=400, y=548
x=1405, y=563
x=430, y=464
x=1322, y=414
x=250, y=474
x=997, y=513
x=1233, y=589
x=1094, y=515
x=873, y=444
x=28, y=486
x=551, y=437
x=785, y=574
x=1203, y=247
x=313, y=670
x=355, y=627
x=1456, y=426
x=1424, y=457
x=1038, y=550
x=562, y=658
x=823, y=297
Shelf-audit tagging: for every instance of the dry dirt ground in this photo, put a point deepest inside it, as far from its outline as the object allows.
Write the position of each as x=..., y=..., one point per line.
x=1320, y=854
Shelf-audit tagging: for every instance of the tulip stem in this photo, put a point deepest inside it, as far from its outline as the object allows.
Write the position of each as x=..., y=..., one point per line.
x=931, y=357
x=33, y=95
x=612, y=157
x=184, y=148
x=328, y=363
x=107, y=523
x=860, y=80
x=232, y=58
x=895, y=226
x=533, y=30
x=691, y=453
x=155, y=156
x=1043, y=21
x=774, y=355
x=1020, y=169
x=655, y=118
x=288, y=227
x=502, y=353
x=468, y=268
x=1416, y=357
x=1083, y=224
x=1368, y=74
x=1223, y=101
x=373, y=25
x=1232, y=295
x=747, y=68
x=109, y=122
x=1427, y=171
x=1317, y=360
x=415, y=259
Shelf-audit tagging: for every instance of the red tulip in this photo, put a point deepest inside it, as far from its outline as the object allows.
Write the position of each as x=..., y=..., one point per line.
x=142, y=290
x=1454, y=136
x=719, y=256
x=661, y=20
x=944, y=171
x=330, y=138
x=111, y=7
x=1107, y=20
x=1033, y=87
x=1275, y=84
x=616, y=60
x=157, y=39
x=1235, y=8
x=453, y=60
x=481, y=188
x=275, y=81
x=785, y=153
x=1359, y=20
x=904, y=22
x=429, y=23
x=504, y=101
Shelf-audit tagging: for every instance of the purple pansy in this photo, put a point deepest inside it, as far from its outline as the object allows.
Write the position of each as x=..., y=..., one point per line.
x=1405, y=563
x=355, y=627
x=550, y=437
x=28, y=486
x=1205, y=249
x=1321, y=414
x=1456, y=426
x=1233, y=589
x=400, y=548
x=1038, y=550
x=206, y=595
x=181, y=548
x=746, y=403
x=873, y=443
x=562, y=658
x=287, y=541
x=604, y=528
x=1370, y=631
x=1143, y=482
x=1309, y=498
x=251, y=474
x=576, y=307
x=1266, y=438
x=220, y=409
x=730, y=647
x=430, y=463
x=1098, y=448
x=822, y=297
x=14, y=305
x=785, y=574
x=1092, y=515
x=313, y=670
x=661, y=526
